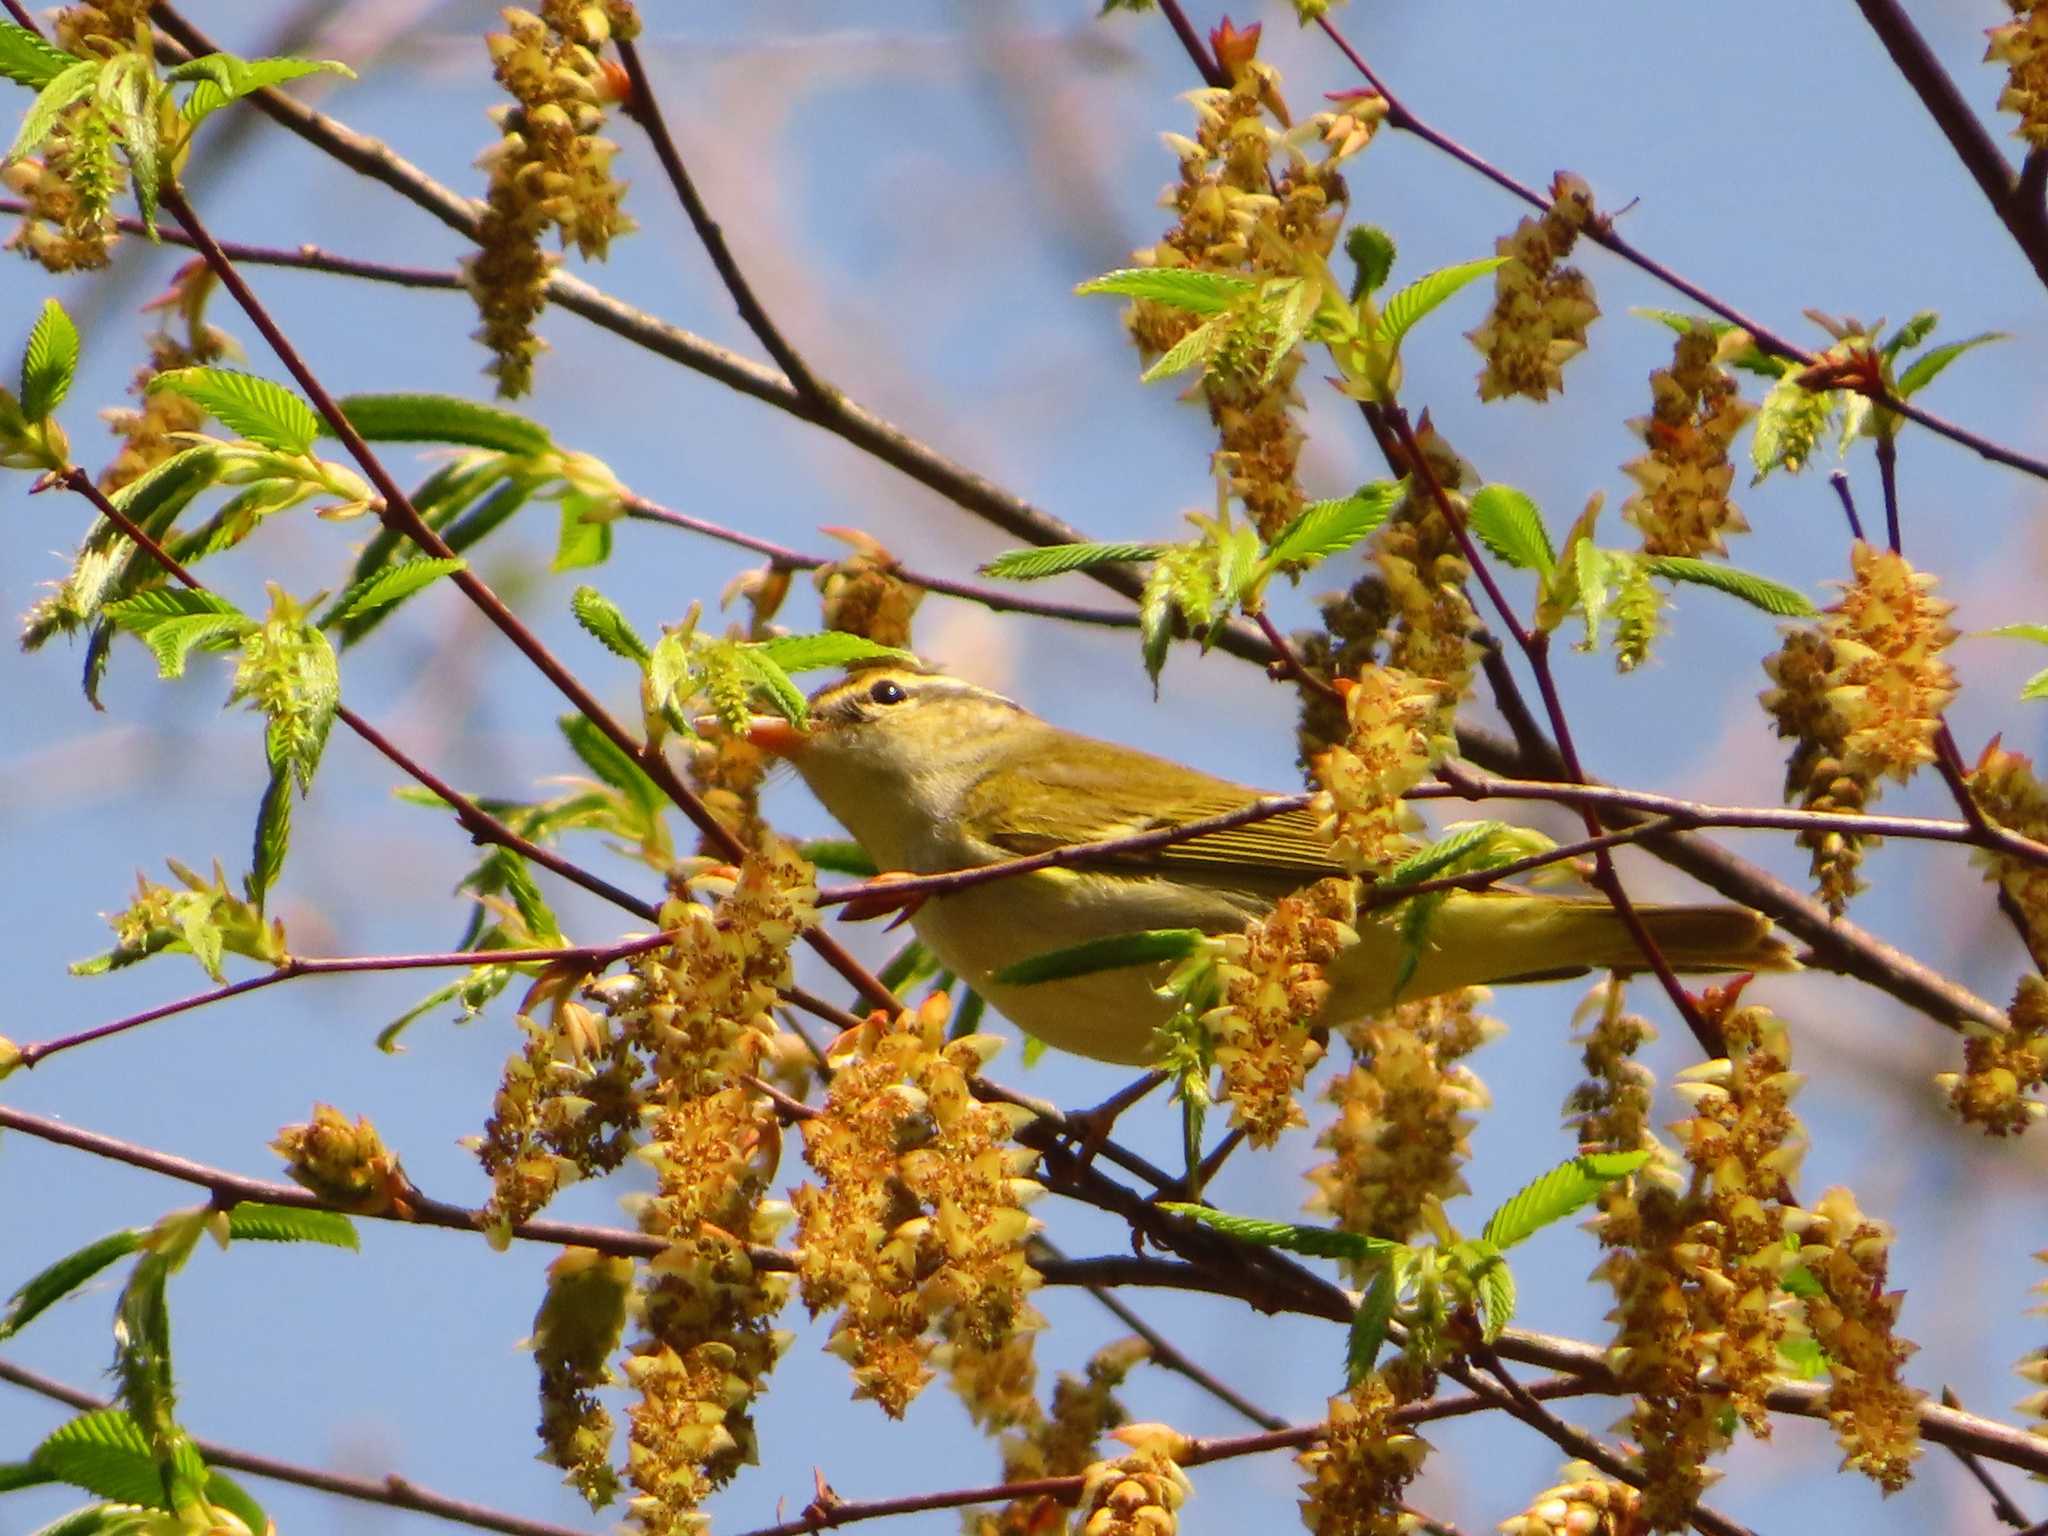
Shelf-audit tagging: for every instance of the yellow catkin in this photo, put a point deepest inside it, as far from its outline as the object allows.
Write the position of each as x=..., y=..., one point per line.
x=574, y=1336
x=1139, y=1494
x=346, y=1165
x=2021, y=45
x=2033, y=1366
x=1875, y=1415
x=1060, y=1442
x=1540, y=309
x=1681, y=503
x=1358, y=1471
x=1583, y=1504
x=1404, y=1116
x=1273, y=986
x=2002, y=1068
x=1394, y=738
x=862, y=594
x=2005, y=789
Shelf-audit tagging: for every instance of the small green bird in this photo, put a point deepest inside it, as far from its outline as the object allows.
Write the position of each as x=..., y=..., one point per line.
x=932, y=774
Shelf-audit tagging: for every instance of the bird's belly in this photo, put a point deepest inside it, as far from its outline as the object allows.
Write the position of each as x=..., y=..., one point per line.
x=1110, y=1015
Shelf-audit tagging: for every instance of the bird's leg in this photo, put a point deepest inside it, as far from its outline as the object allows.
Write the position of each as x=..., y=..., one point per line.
x=1090, y=1128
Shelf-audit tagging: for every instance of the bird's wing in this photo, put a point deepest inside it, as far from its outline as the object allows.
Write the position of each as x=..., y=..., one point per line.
x=1037, y=803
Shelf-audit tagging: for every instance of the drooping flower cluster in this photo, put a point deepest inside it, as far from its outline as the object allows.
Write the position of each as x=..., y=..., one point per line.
x=862, y=594
x=2005, y=789
x=1610, y=1110
x=1861, y=695
x=1274, y=983
x=1875, y=1415
x=2022, y=46
x=575, y=1334
x=1540, y=309
x=2033, y=1366
x=1359, y=1469
x=550, y=169
x=345, y=1165
x=99, y=28
x=1394, y=736
x=1404, y=1115
x=1060, y=1442
x=68, y=223
x=1682, y=505
x=1250, y=201
x=2002, y=1067
x=920, y=1220
x=1139, y=1494
x=1584, y=1504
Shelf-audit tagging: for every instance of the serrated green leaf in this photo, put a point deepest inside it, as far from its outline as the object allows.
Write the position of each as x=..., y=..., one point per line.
x=1112, y=953
x=840, y=858
x=1510, y=524
x=273, y=836
x=258, y=409
x=394, y=584
x=769, y=678
x=1326, y=528
x=1418, y=914
x=1320, y=1242
x=220, y=78
x=2035, y=687
x=142, y=1353
x=1428, y=863
x=811, y=653
x=1790, y=425
x=1406, y=308
x=1758, y=591
x=63, y=1277
x=69, y=86
x=97, y=1520
x=580, y=542
x=106, y=1453
x=173, y=620
x=254, y=1222
x=1802, y=1358
x=1371, y=250
x=1912, y=333
x=1155, y=621
x=1054, y=559
x=1551, y=1197
x=27, y=60
x=1928, y=366
x=49, y=362
x=417, y=418
x=604, y=623
x=1368, y=1329
x=1495, y=1284
x=130, y=89
x=1200, y=293
x=603, y=757
x=1191, y=349
x=1594, y=567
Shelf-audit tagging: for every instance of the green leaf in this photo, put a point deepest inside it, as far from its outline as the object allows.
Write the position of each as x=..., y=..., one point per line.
x=273, y=835
x=254, y=408
x=1510, y=525
x=1191, y=349
x=106, y=1453
x=68, y=87
x=98, y=1520
x=221, y=78
x=1155, y=621
x=1054, y=559
x=603, y=622
x=1371, y=249
x=409, y=418
x=1112, y=953
x=1758, y=591
x=1557, y=1194
x=63, y=1277
x=603, y=757
x=387, y=1037
x=811, y=653
x=49, y=362
x=172, y=620
x=1927, y=367
x=840, y=858
x=1320, y=1242
x=1428, y=863
x=1912, y=333
x=128, y=88
x=1369, y=1327
x=1799, y=1280
x=1325, y=528
x=1802, y=1358
x=1595, y=569
x=2035, y=632
x=2035, y=687
x=27, y=60
x=21, y=1474
x=1496, y=1288
x=394, y=584
x=254, y=1222
x=769, y=678
x=581, y=542
x=231, y=1496
x=1200, y=293
x=1407, y=307
x=1418, y=913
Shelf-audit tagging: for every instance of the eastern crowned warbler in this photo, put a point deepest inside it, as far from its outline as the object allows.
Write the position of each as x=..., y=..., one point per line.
x=932, y=774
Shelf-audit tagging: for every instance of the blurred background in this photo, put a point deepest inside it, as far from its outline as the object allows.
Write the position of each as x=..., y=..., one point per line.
x=915, y=188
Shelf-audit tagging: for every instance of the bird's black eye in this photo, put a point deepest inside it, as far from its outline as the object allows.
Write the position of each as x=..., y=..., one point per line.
x=886, y=692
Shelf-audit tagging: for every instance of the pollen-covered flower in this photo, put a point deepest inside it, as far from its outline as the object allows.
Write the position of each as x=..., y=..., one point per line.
x=100, y=28
x=1876, y=1416
x=920, y=1220
x=2022, y=46
x=1682, y=505
x=1395, y=736
x=1273, y=986
x=1061, y=1442
x=67, y=223
x=1610, y=1110
x=2005, y=789
x=1540, y=309
x=1358, y=1471
x=574, y=1335
x=2002, y=1067
x=1139, y=1494
x=862, y=594
x=347, y=1165
x=1584, y=1504
x=1404, y=1115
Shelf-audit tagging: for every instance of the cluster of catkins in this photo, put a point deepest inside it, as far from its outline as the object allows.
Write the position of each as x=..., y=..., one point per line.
x=1681, y=504
x=1860, y=693
x=2022, y=46
x=550, y=169
x=1540, y=309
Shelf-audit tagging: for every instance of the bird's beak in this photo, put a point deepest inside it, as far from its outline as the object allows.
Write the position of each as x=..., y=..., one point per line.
x=775, y=736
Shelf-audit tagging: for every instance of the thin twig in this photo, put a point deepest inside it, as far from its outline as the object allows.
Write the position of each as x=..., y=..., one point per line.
x=2002, y=1504
x=1839, y=479
x=392, y=1491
